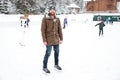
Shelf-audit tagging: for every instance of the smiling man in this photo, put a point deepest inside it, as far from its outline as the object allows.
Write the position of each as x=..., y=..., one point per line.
x=52, y=36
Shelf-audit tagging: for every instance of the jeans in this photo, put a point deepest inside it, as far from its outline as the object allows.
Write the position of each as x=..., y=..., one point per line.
x=48, y=52
x=100, y=31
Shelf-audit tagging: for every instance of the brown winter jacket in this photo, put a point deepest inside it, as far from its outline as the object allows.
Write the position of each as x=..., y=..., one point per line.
x=51, y=30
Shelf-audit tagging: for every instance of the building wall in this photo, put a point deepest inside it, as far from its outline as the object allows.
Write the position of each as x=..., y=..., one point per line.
x=118, y=6
x=102, y=5
x=118, y=0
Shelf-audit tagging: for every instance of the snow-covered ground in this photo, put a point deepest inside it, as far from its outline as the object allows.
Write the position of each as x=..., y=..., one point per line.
x=83, y=55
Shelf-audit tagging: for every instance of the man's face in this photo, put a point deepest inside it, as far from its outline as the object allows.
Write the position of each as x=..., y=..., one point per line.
x=52, y=11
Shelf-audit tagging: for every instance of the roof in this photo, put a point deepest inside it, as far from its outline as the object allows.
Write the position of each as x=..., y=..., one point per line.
x=73, y=6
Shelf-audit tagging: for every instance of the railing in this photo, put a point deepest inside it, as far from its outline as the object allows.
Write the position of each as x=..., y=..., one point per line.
x=109, y=11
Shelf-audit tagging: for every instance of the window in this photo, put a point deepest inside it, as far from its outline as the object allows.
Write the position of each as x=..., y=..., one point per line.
x=110, y=7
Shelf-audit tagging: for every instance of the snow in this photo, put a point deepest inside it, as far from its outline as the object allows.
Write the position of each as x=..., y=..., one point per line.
x=73, y=6
x=83, y=55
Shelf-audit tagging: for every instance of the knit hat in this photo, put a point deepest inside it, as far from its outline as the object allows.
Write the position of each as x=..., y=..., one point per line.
x=51, y=7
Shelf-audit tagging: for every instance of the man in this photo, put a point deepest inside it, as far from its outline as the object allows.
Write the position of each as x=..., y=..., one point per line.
x=52, y=36
x=101, y=25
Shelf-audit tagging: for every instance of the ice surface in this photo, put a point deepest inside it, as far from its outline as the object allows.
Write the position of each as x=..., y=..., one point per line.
x=83, y=55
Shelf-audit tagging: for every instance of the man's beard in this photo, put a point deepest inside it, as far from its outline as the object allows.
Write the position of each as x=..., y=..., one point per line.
x=52, y=14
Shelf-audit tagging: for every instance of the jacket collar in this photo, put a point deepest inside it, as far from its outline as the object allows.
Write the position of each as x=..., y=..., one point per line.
x=48, y=16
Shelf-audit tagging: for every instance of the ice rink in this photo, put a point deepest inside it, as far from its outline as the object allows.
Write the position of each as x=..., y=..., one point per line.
x=83, y=55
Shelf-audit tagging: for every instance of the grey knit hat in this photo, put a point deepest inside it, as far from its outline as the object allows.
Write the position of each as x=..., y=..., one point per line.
x=51, y=7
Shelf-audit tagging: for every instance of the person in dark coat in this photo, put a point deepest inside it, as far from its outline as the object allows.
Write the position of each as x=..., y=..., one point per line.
x=65, y=23
x=101, y=25
x=52, y=36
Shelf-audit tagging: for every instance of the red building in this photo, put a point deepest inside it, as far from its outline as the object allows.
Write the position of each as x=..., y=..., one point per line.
x=102, y=5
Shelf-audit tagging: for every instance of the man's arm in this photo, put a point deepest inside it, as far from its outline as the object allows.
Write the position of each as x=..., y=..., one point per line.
x=97, y=24
x=60, y=31
x=43, y=30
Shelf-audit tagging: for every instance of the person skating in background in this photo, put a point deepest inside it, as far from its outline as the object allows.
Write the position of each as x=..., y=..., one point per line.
x=101, y=25
x=24, y=20
x=27, y=22
x=65, y=23
x=109, y=20
x=24, y=25
x=52, y=36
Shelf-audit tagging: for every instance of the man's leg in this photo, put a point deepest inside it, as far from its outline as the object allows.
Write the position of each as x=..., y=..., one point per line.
x=99, y=32
x=56, y=53
x=21, y=22
x=56, y=56
x=45, y=61
x=64, y=26
x=102, y=32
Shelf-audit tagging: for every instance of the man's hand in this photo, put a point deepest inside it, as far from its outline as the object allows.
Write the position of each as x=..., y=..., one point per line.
x=60, y=42
x=45, y=43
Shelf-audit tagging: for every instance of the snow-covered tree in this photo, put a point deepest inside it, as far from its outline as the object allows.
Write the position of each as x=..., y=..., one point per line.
x=4, y=6
x=25, y=6
x=37, y=6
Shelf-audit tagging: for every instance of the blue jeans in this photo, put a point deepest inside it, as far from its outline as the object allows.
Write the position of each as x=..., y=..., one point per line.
x=48, y=52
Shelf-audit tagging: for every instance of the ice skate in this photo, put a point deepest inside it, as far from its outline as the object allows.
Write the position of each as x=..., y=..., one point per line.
x=58, y=67
x=46, y=70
